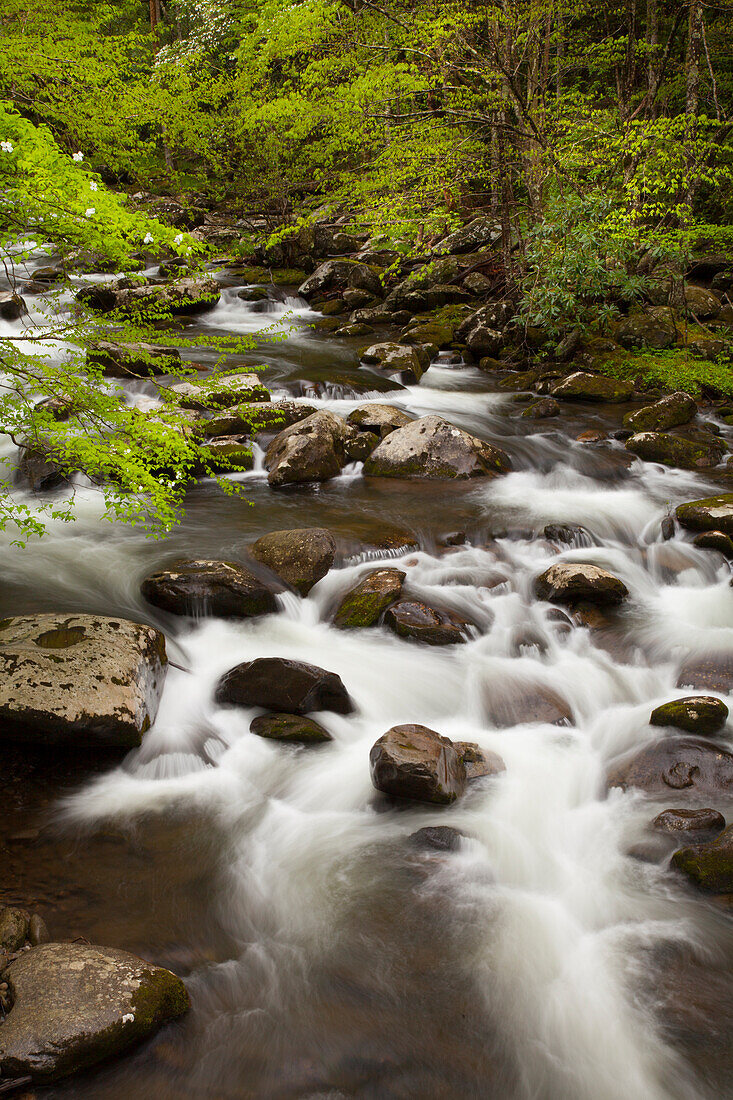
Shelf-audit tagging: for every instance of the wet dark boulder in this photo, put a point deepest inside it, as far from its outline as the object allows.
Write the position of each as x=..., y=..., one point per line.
x=580, y=386
x=709, y=514
x=709, y=866
x=418, y=622
x=708, y=672
x=572, y=582
x=415, y=762
x=682, y=764
x=680, y=452
x=74, y=1005
x=542, y=409
x=395, y=358
x=133, y=360
x=42, y=466
x=279, y=684
x=365, y=603
x=12, y=306
x=336, y=275
x=714, y=540
x=432, y=448
x=669, y=412
x=290, y=727
x=300, y=557
x=312, y=450
x=379, y=419
x=223, y=589
x=702, y=714
x=698, y=824
x=437, y=838
x=79, y=680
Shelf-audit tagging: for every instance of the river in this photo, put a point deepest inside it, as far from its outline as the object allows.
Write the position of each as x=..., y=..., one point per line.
x=554, y=956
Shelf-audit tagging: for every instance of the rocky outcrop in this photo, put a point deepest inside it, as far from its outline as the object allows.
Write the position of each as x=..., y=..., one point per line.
x=683, y=764
x=75, y=1005
x=708, y=672
x=220, y=588
x=300, y=557
x=79, y=680
x=708, y=514
x=669, y=412
x=482, y=332
x=702, y=714
x=709, y=866
x=221, y=392
x=337, y=275
x=415, y=620
x=700, y=824
x=382, y=420
x=480, y=233
x=312, y=450
x=364, y=605
x=290, y=727
x=572, y=582
x=592, y=387
x=395, y=358
x=279, y=684
x=677, y=451
x=654, y=329
x=133, y=360
x=431, y=448
x=185, y=296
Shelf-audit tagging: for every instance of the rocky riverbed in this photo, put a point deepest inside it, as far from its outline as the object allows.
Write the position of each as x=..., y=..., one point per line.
x=412, y=776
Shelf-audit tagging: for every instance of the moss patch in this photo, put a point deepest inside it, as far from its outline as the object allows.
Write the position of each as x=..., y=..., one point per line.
x=676, y=369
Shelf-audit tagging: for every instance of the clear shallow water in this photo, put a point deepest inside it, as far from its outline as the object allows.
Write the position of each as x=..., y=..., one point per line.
x=326, y=955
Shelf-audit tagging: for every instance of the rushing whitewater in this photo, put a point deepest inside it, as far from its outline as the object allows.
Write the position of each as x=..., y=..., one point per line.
x=330, y=956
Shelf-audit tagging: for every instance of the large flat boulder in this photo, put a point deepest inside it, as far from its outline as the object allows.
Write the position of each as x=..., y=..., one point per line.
x=290, y=727
x=300, y=557
x=572, y=582
x=688, y=766
x=185, y=296
x=669, y=412
x=74, y=1005
x=198, y=587
x=397, y=358
x=79, y=680
x=337, y=275
x=278, y=684
x=581, y=386
x=709, y=514
x=433, y=449
x=680, y=452
x=378, y=419
x=312, y=450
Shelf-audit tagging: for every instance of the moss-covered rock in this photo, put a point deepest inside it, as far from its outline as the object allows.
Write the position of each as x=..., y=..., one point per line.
x=694, y=713
x=398, y=358
x=378, y=419
x=13, y=928
x=580, y=386
x=669, y=412
x=290, y=727
x=676, y=450
x=221, y=392
x=299, y=557
x=709, y=866
x=654, y=329
x=228, y=454
x=364, y=605
x=708, y=514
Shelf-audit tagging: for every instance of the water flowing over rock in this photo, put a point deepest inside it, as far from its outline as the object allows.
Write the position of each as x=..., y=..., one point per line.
x=312, y=450
x=701, y=714
x=669, y=412
x=220, y=588
x=75, y=1004
x=592, y=387
x=290, y=727
x=677, y=451
x=572, y=582
x=282, y=685
x=703, y=824
x=415, y=762
x=398, y=358
x=364, y=605
x=709, y=866
x=79, y=680
x=415, y=620
x=380, y=419
x=708, y=672
x=12, y=306
x=300, y=558
x=709, y=514
x=433, y=449
x=683, y=764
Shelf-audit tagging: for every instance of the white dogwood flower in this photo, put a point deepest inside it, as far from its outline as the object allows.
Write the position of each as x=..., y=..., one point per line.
x=77, y=156
x=148, y=238
x=6, y=146
x=93, y=186
x=89, y=211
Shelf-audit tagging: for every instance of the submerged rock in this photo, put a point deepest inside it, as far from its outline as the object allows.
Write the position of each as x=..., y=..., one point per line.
x=708, y=672
x=592, y=387
x=714, y=540
x=709, y=514
x=364, y=605
x=432, y=448
x=312, y=450
x=676, y=450
x=300, y=557
x=379, y=419
x=670, y=412
x=415, y=762
x=283, y=685
x=512, y=701
x=695, y=713
x=709, y=866
x=437, y=838
x=415, y=620
x=704, y=824
x=290, y=727
x=571, y=582
x=678, y=764
x=75, y=1004
x=79, y=680
x=220, y=588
